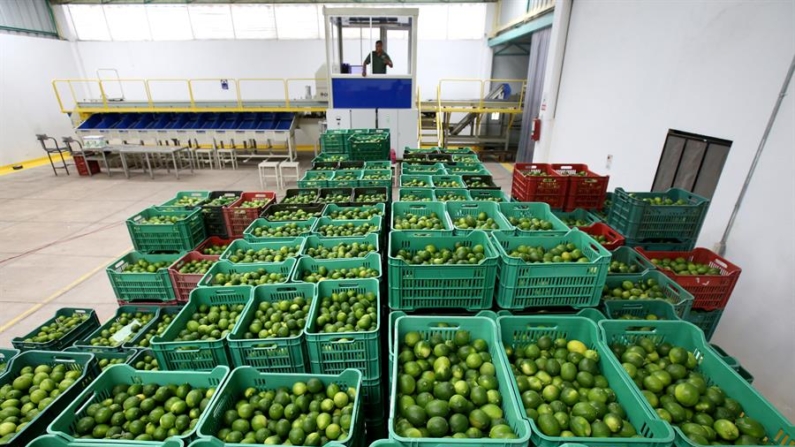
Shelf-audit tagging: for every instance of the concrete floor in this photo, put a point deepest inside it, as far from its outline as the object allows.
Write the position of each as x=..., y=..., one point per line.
x=57, y=234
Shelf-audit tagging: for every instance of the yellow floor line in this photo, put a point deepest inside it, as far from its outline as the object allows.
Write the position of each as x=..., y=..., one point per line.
x=58, y=293
x=508, y=166
x=27, y=164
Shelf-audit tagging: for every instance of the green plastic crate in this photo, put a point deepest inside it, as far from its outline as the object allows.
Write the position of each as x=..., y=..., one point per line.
x=680, y=299
x=460, y=286
x=134, y=343
x=733, y=363
x=715, y=371
x=242, y=244
x=314, y=210
x=316, y=179
x=197, y=355
x=458, y=182
x=359, y=192
x=146, y=287
x=84, y=342
x=101, y=388
x=380, y=208
x=458, y=210
x=630, y=257
x=466, y=169
x=304, y=264
x=401, y=209
x=364, y=182
x=662, y=244
x=423, y=169
x=491, y=195
x=72, y=361
x=81, y=330
x=334, y=353
x=706, y=320
x=346, y=179
x=246, y=377
x=638, y=220
x=456, y=150
x=277, y=355
x=465, y=158
x=374, y=222
x=285, y=268
x=574, y=284
x=334, y=141
x=305, y=225
x=60, y=441
x=297, y=192
x=663, y=310
x=425, y=194
x=404, y=179
x=125, y=355
x=479, y=328
x=570, y=218
x=456, y=194
x=318, y=242
x=193, y=194
x=520, y=331
x=6, y=355
x=537, y=210
x=331, y=157
x=184, y=235
x=374, y=164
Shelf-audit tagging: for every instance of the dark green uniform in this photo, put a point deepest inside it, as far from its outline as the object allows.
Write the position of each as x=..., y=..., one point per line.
x=379, y=62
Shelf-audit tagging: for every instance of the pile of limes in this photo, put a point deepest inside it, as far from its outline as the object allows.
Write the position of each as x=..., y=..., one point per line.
x=335, y=198
x=188, y=201
x=682, y=266
x=256, y=278
x=136, y=320
x=160, y=220
x=564, y=392
x=560, y=253
x=354, y=213
x=250, y=255
x=431, y=255
x=451, y=196
x=254, y=203
x=377, y=176
x=481, y=221
x=196, y=267
x=448, y=388
x=62, y=325
x=221, y=201
x=209, y=323
x=530, y=223
x=447, y=183
x=106, y=362
x=303, y=198
x=623, y=267
x=680, y=395
x=414, y=198
x=158, y=328
x=147, y=363
x=144, y=266
x=29, y=393
x=308, y=413
x=322, y=272
x=347, y=311
x=144, y=412
x=477, y=183
x=411, y=221
x=347, y=229
x=414, y=183
x=280, y=319
x=641, y=289
x=370, y=198
x=285, y=230
x=215, y=249
x=343, y=250
x=291, y=215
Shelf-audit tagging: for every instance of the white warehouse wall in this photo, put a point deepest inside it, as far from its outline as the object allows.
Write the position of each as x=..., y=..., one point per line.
x=633, y=70
x=27, y=103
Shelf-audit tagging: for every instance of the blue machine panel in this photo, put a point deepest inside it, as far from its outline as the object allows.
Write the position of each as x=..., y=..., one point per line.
x=371, y=93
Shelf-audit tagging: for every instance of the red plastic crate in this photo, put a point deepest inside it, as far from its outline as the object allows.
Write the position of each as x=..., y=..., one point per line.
x=213, y=241
x=710, y=292
x=83, y=167
x=238, y=219
x=614, y=238
x=587, y=192
x=550, y=189
x=185, y=282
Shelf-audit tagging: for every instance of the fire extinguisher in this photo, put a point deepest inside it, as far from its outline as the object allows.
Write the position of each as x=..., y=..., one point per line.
x=535, y=134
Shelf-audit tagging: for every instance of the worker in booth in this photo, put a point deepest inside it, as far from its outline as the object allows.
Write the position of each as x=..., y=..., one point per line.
x=379, y=59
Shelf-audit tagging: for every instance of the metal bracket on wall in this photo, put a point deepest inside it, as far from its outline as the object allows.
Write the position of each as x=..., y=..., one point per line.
x=513, y=49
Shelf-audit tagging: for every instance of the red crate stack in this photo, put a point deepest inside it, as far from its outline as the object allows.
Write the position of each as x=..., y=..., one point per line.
x=585, y=188
x=238, y=219
x=185, y=282
x=549, y=188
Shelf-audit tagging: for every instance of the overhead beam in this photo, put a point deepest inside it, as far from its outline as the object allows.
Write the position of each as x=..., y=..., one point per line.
x=522, y=30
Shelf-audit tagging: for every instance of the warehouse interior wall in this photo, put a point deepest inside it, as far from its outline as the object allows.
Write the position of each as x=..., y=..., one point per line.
x=27, y=103
x=634, y=70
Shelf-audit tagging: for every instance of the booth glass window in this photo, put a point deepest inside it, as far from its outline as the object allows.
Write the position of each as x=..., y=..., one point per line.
x=354, y=38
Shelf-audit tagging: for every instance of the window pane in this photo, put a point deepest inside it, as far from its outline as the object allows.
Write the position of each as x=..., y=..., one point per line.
x=211, y=21
x=297, y=22
x=254, y=21
x=433, y=22
x=466, y=21
x=169, y=22
x=127, y=22
x=89, y=22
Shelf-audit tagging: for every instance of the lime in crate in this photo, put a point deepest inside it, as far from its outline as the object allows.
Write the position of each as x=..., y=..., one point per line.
x=651, y=285
x=225, y=274
x=417, y=282
x=316, y=179
x=329, y=228
x=416, y=181
x=371, y=195
x=239, y=215
x=166, y=229
x=527, y=337
x=241, y=251
x=197, y=391
x=61, y=331
x=602, y=233
x=345, y=179
x=106, y=358
x=451, y=195
x=543, y=271
x=494, y=422
x=187, y=200
x=142, y=277
x=489, y=195
x=675, y=214
x=335, y=195
x=532, y=218
x=263, y=230
x=273, y=346
x=312, y=270
x=213, y=246
x=639, y=310
x=744, y=414
x=182, y=346
x=161, y=321
x=334, y=345
x=421, y=216
x=245, y=386
x=325, y=165
x=469, y=216
x=353, y=211
x=628, y=263
x=125, y=324
x=213, y=212
x=5, y=357
x=187, y=271
x=415, y=195
x=341, y=248
x=300, y=196
x=70, y=372
x=577, y=218
x=708, y=276
x=292, y=212
x=60, y=441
